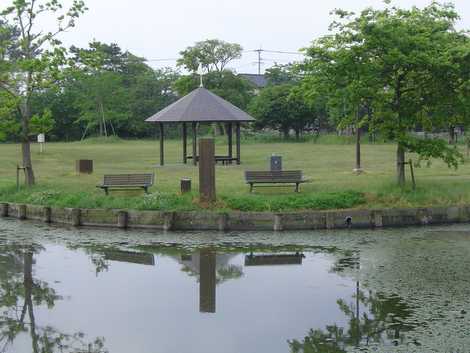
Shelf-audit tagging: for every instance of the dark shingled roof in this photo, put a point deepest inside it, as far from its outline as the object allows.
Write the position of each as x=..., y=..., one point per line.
x=200, y=105
x=259, y=81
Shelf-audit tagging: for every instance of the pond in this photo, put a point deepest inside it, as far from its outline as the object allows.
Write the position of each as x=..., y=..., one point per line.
x=89, y=290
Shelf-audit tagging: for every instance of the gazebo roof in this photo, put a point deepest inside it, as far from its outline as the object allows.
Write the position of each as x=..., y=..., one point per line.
x=200, y=105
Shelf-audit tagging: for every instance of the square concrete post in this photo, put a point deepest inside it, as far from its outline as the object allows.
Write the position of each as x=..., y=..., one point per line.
x=207, y=170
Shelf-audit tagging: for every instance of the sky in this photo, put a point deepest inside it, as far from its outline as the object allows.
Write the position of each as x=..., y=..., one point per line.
x=159, y=29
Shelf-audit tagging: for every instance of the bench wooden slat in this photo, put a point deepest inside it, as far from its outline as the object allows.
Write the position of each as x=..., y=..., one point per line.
x=275, y=177
x=127, y=181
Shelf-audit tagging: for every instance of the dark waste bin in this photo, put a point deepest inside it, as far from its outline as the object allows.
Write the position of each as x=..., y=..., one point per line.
x=276, y=163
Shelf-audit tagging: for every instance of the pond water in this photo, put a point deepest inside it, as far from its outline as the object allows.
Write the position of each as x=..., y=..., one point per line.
x=88, y=290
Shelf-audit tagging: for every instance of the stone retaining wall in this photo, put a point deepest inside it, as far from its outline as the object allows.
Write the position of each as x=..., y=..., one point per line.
x=239, y=221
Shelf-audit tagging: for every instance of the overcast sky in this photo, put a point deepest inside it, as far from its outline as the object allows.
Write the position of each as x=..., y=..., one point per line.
x=159, y=29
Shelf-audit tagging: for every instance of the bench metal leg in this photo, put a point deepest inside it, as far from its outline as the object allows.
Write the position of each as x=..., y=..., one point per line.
x=297, y=187
x=251, y=187
x=106, y=191
x=146, y=189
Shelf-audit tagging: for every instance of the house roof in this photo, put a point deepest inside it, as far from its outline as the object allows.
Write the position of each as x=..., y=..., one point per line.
x=200, y=105
x=259, y=81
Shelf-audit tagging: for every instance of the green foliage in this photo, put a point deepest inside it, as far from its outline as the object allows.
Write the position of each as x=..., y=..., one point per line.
x=281, y=107
x=281, y=74
x=31, y=58
x=113, y=92
x=42, y=124
x=9, y=124
x=317, y=201
x=395, y=70
x=209, y=55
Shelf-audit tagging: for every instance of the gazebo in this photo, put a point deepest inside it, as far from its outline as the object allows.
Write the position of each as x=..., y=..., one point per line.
x=201, y=106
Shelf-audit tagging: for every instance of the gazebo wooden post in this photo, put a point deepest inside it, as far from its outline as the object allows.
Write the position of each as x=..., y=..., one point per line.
x=162, y=151
x=194, y=143
x=230, y=144
x=185, y=144
x=238, y=141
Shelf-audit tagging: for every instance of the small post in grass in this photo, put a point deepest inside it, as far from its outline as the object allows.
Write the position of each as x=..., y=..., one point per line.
x=207, y=170
x=412, y=174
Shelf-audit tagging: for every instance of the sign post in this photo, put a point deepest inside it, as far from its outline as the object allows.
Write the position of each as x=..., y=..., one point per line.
x=41, y=141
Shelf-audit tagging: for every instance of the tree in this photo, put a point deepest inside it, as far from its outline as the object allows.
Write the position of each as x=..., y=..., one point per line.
x=406, y=54
x=26, y=66
x=42, y=123
x=346, y=75
x=282, y=108
x=115, y=91
x=280, y=74
x=209, y=55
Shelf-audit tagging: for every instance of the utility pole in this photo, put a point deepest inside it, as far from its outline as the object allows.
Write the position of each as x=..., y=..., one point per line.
x=259, y=59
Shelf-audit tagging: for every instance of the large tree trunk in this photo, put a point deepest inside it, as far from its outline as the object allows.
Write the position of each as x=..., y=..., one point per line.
x=401, y=165
x=297, y=134
x=358, y=149
x=26, y=146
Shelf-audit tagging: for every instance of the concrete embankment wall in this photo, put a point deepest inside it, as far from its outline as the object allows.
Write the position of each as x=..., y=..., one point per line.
x=239, y=221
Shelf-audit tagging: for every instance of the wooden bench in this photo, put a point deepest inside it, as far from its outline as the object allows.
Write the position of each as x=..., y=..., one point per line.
x=275, y=177
x=126, y=181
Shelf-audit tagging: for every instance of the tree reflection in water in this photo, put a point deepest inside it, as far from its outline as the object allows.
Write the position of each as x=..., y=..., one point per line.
x=372, y=318
x=20, y=294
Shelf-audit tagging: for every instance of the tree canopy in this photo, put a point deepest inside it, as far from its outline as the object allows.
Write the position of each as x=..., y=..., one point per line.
x=394, y=62
x=209, y=55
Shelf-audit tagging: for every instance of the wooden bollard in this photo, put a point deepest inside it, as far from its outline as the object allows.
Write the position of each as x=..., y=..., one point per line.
x=222, y=222
x=3, y=210
x=168, y=220
x=123, y=219
x=207, y=170
x=185, y=185
x=277, y=226
x=75, y=217
x=22, y=212
x=46, y=216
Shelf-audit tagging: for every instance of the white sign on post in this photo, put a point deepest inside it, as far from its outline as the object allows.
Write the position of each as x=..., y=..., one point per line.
x=41, y=141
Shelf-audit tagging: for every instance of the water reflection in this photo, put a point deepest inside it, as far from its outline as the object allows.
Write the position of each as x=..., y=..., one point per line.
x=273, y=259
x=211, y=269
x=372, y=319
x=277, y=294
x=20, y=294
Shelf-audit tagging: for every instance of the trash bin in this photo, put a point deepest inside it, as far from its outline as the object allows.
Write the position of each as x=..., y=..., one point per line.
x=84, y=166
x=276, y=163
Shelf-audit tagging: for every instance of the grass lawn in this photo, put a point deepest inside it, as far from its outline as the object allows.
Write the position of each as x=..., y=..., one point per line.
x=328, y=165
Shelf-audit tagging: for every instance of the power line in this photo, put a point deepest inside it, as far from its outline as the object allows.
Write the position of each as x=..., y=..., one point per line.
x=259, y=62
x=170, y=59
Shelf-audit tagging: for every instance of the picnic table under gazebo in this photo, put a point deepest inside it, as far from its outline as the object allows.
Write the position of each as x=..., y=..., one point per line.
x=201, y=106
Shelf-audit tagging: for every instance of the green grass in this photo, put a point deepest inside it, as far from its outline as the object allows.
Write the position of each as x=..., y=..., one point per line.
x=328, y=161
